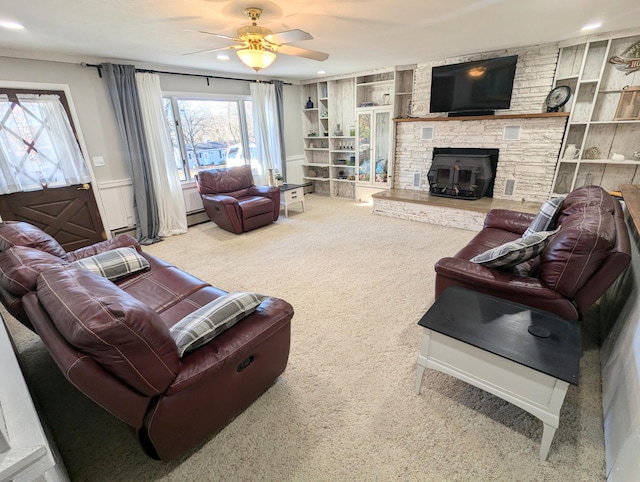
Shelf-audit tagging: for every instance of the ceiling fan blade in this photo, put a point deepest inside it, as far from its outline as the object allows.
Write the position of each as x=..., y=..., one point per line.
x=208, y=51
x=288, y=36
x=298, y=52
x=214, y=34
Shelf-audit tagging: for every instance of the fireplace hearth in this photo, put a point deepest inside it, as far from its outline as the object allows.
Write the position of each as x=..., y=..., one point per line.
x=462, y=173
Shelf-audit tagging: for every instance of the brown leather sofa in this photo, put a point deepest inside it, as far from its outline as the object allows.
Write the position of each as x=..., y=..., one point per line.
x=590, y=250
x=233, y=202
x=112, y=341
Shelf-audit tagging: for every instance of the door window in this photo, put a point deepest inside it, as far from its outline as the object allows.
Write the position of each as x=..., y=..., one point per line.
x=38, y=146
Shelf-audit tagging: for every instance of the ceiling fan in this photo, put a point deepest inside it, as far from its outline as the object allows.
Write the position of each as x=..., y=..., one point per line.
x=257, y=46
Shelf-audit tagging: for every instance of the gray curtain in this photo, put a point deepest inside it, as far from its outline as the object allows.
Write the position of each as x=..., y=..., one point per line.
x=278, y=85
x=121, y=83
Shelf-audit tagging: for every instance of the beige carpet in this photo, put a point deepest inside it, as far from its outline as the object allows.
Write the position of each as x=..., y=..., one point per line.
x=345, y=408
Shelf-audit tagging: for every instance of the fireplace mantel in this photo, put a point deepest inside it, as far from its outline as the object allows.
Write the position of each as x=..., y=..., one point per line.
x=484, y=117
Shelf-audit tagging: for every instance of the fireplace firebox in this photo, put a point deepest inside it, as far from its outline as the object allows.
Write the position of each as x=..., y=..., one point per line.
x=462, y=173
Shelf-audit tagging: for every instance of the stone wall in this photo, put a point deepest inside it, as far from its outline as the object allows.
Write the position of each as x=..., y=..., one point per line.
x=530, y=161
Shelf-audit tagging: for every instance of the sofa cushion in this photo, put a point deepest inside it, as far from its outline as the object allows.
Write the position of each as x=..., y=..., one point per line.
x=19, y=233
x=255, y=206
x=20, y=267
x=515, y=252
x=114, y=264
x=119, y=332
x=546, y=217
x=584, y=241
x=209, y=321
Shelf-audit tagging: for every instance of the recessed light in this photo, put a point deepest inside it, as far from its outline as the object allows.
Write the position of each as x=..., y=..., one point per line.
x=591, y=26
x=321, y=72
x=222, y=57
x=12, y=25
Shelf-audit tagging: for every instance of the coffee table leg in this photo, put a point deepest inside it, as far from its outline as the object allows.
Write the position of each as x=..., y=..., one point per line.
x=547, y=437
x=422, y=358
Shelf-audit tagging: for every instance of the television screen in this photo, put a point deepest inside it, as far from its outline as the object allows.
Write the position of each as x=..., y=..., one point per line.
x=479, y=85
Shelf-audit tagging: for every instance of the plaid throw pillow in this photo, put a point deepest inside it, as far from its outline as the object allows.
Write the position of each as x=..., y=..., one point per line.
x=206, y=323
x=546, y=217
x=114, y=264
x=515, y=252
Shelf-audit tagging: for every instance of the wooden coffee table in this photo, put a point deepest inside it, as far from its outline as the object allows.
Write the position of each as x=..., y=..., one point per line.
x=525, y=356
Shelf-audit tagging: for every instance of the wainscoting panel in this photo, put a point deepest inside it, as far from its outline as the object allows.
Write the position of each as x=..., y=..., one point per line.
x=117, y=197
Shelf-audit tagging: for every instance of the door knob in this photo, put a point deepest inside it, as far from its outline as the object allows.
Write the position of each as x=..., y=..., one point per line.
x=84, y=187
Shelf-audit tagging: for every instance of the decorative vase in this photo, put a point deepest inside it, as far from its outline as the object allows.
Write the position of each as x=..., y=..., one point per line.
x=571, y=152
x=352, y=131
x=338, y=131
x=309, y=104
x=562, y=187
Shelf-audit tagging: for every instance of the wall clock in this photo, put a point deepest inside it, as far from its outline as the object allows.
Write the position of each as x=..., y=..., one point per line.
x=558, y=97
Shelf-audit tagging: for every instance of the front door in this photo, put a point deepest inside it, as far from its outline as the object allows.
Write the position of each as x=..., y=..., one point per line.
x=69, y=214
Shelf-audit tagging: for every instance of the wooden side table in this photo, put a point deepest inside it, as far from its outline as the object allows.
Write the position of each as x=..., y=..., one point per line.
x=525, y=356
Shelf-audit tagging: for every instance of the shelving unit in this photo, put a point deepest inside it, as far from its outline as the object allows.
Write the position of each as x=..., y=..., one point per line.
x=596, y=125
x=404, y=92
x=334, y=152
x=374, y=157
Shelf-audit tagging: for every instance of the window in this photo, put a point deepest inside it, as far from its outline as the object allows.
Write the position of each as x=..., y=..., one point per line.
x=210, y=133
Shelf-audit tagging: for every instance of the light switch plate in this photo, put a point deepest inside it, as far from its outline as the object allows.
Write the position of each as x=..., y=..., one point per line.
x=98, y=161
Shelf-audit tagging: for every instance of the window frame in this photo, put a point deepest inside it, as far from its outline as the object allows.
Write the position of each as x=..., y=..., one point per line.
x=174, y=97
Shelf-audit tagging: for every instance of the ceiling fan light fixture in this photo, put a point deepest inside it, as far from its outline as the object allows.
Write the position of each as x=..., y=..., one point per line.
x=257, y=59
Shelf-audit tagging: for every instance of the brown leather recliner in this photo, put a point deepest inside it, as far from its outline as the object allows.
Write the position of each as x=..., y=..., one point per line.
x=233, y=202
x=112, y=341
x=590, y=250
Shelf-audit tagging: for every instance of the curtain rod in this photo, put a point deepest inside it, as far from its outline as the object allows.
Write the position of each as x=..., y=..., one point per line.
x=98, y=67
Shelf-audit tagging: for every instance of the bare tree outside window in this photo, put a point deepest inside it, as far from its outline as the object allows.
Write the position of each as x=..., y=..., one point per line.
x=207, y=131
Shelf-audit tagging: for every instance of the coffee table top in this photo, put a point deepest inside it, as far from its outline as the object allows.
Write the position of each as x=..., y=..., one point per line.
x=502, y=327
x=289, y=187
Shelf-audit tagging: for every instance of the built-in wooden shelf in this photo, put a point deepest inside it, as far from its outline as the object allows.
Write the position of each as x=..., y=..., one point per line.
x=483, y=117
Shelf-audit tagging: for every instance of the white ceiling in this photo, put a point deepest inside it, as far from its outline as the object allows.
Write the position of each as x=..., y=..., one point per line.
x=357, y=34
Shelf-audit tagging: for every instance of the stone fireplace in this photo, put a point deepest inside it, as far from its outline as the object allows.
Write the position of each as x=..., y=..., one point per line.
x=528, y=144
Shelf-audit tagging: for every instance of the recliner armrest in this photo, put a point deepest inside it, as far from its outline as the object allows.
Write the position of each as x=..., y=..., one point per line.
x=121, y=241
x=267, y=191
x=219, y=198
x=509, y=285
x=272, y=192
x=512, y=221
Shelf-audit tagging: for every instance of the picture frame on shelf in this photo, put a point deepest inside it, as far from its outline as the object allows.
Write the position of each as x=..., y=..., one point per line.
x=629, y=104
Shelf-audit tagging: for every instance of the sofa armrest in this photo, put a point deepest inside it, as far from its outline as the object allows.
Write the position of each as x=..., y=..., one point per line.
x=503, y=284
x=512, y=221
x=121, y=241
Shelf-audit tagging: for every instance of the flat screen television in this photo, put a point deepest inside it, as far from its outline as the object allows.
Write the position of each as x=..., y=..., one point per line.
x=473, y=88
